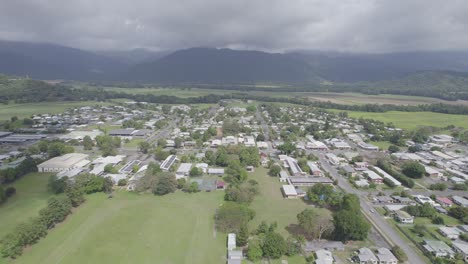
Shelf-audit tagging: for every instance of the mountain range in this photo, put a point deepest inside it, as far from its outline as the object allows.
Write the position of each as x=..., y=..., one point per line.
x=211, y=65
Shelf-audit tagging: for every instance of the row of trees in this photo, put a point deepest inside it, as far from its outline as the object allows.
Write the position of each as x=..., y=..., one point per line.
x=6, y=193
x=57, y=209
x=386, y=166
x=9, y=175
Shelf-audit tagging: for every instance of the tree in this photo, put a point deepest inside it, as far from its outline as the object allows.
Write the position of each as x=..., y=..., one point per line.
x=144, y=147
x=109, y=168
x=460, y=213
x=287, y=147
x=59, y=148
x=349, y=225
x=89, y=183
x=320, y=193
x=393, y=148
x=178, y=142
x=274, y=245
x=306, y=220
x=75, y=195
x=260, y=137
x=195, y=172
x=314, y=224
x=162, y=142
x=166, y=184
x=413, y=169
x=122, y=182
x=274, y=170
x=10, y=191
x=88, y=143
x=254, y=252
x=351, y=203
x=181, y=183
x=3, y=196
x=193, y=188
x=242, y=236
x=399, y=254
x=438, y=186
x=57, y=185
x=231, y=216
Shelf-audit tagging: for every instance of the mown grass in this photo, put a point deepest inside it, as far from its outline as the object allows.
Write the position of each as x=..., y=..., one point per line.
x=412, y=120
x=271, y=206
x=31, y=196
x=135, y=228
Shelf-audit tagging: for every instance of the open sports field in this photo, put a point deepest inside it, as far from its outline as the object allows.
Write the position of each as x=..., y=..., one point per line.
x=26, y=110
x=135, y=228
x=31, y=196
x=411, y=120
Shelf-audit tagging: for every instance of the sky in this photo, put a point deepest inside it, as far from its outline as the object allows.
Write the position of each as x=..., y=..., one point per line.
x=269, y=25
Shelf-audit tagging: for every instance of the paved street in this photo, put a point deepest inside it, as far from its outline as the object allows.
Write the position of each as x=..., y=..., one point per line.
x=379, y=223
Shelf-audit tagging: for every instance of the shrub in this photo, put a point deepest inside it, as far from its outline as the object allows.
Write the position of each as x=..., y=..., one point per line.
x=10, y=191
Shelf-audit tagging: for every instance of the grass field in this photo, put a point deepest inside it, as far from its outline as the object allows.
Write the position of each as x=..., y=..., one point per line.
x=135, y=228
x=271, y=206
x=360, y=99
x=26, y=110
x=411, y=120
x=31, y=196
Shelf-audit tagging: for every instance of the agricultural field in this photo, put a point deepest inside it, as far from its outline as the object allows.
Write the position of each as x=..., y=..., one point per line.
x=31, y=196
x=412, y=120
x=360, y=99
x=135, y=228
x=26, y=110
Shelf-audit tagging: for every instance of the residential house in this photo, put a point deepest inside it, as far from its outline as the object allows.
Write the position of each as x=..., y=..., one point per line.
x=385, y=256
x=404, y=217
x=366, y=256
x=438, y=248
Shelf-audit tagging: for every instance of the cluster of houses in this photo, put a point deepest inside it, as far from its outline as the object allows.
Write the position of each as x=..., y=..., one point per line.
x=296, y=178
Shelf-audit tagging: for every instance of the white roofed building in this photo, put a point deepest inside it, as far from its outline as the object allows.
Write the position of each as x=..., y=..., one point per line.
x=64, y=163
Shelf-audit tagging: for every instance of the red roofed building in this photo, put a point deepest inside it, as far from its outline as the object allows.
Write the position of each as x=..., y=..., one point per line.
x=444, y=201
x=220, y=185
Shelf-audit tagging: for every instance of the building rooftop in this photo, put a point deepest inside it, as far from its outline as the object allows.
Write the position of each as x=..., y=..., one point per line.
x=65, y=161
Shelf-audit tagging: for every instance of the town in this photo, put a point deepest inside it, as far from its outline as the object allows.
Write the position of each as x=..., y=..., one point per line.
x=368, y=192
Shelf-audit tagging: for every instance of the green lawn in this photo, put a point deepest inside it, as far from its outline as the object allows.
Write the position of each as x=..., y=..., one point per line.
x=133, y=143
x=31, y=196
x=411, y=120
x=383, y=145
x=136, y=228
x=270, y=205
x=26, y=110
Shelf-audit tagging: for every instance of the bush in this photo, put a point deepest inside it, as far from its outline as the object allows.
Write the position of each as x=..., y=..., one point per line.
x=122, y=182
x=399, y=254
x=438, y=186
x=274, y=245
x=231, y=216
x=254, y=252
x=10, y=191
x=413, y=169
x=438, y=220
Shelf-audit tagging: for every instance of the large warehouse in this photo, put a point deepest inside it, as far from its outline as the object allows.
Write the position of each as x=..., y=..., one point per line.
x=64, y=163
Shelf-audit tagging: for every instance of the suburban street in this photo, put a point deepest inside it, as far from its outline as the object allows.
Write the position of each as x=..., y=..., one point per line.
x=379, y=223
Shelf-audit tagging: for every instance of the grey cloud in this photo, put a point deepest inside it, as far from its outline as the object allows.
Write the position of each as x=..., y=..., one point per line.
x=276, y=25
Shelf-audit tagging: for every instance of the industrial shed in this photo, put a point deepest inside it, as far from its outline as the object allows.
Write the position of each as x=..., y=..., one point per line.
x=64, y=163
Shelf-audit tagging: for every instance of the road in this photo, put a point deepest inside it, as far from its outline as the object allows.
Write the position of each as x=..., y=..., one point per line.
x=163, y=133
x=266, y=130
x=380, y=224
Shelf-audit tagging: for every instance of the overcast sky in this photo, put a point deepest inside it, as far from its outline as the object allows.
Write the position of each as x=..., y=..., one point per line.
x=271, y=25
